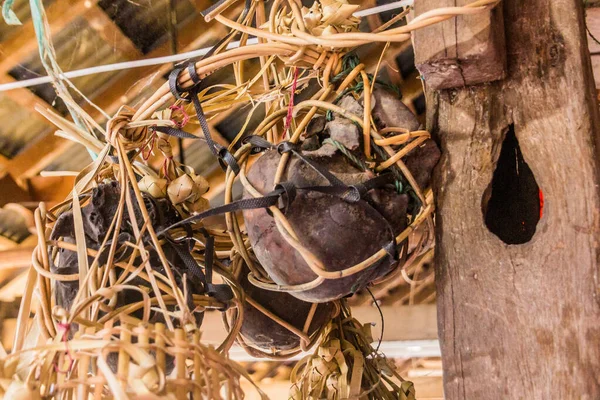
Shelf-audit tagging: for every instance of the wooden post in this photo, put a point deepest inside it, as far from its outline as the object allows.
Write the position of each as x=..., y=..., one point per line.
x=521, y=321
x=472, y=50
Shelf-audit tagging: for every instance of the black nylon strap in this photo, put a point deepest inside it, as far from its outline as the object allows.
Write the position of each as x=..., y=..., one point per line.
x=169, y=130
x=269, y=200
x=223, y=292
x=351, y=194
x=259, y=143
x=191, y=266
x=174, y=87
x=226, y=159
x=192, y=69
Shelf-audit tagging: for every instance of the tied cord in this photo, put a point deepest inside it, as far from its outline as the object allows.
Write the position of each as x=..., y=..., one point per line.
x=259, y=144
x=222, y=293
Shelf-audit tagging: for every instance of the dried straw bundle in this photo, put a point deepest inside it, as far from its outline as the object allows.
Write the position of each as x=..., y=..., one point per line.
x=346, y=366
x=115, y=310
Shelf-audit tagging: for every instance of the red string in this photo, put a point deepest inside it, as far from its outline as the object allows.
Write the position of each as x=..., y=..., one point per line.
x=186, y=117
x=67, y=329
x=541, y=204
x=288, y=119
x=148, y=146
x=165, y=168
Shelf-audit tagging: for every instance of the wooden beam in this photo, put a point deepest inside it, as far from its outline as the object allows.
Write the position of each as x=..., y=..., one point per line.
x=403, y=323
x=6, y=243
x=18, y=257
x=423, y=321
x=60, y=13
x=24, y=97
x=521, y=320
x=111, y=33
x=36, y=157
x=461, y=51
x=50, y=189
x=426, y=388
x=17, y=194
x=592, y=19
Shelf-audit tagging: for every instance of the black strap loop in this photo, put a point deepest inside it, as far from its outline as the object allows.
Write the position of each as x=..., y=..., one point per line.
x=221, y=292
x=174, y=87
x=288, y=194
x=226, y=159
x=287, y=147
x=191, y=67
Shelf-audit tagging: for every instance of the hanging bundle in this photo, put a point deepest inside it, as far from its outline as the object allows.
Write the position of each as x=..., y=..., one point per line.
x=119, y=309
x=345, y=207
x=346, y=366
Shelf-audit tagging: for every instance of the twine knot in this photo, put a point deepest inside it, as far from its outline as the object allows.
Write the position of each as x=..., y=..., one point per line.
x=118, y=127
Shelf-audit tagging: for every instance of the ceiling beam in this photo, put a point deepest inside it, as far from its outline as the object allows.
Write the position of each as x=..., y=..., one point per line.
x=22, y=42
x=18, y=257
x=108, y=30
x=426, y=388
x=124, y=89
x=24, y=97
x=411, y=330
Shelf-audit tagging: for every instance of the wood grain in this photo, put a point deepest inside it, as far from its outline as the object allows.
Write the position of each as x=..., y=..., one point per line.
x=472, y=50
x=522, y=321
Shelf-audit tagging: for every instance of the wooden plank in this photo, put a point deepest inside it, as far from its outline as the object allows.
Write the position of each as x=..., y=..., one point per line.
x=37, y=156
x=472, y=50
x=422, y=326
x=403, y=323
x=6, y=243
x=24, y=97
x=596, y=69
x=17, y=194
x=592, y=20
x=522, y=320
x=50, y=188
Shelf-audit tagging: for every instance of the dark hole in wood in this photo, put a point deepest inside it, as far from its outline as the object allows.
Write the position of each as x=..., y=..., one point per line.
x=513, y=208
x=406, y=62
